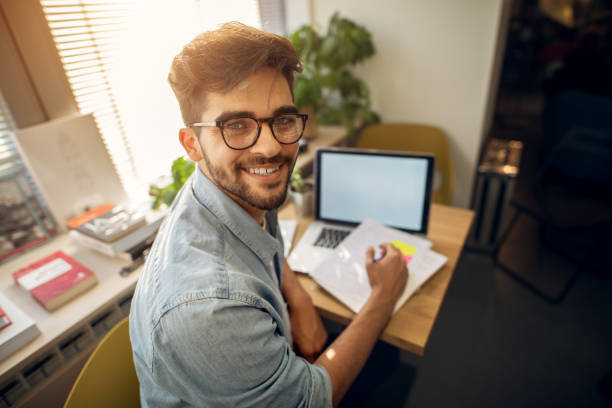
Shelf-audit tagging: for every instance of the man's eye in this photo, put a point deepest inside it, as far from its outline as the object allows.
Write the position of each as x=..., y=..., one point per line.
x=284, y=121
x=239, y=124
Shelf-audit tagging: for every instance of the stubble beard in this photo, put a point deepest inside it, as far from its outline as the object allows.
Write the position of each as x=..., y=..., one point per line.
x=235, y=184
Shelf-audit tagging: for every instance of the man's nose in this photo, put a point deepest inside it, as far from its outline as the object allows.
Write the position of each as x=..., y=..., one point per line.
x=266, y=145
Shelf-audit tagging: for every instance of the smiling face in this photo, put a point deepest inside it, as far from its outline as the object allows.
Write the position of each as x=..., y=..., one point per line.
x=257, y=177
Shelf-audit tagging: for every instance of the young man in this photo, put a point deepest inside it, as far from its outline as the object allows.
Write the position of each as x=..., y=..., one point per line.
x=218, y=317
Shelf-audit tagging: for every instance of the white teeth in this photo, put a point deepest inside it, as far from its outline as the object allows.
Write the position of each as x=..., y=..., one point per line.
x=262, y=171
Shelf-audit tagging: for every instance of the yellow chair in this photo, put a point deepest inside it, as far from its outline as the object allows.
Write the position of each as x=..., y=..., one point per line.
x=415, y=138
x=108, y=378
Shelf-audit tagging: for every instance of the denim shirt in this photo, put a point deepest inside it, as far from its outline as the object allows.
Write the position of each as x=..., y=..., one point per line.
x=208, y=323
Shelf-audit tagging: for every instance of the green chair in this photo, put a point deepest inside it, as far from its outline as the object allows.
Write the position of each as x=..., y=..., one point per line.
x=415, y=138
x=108, y=378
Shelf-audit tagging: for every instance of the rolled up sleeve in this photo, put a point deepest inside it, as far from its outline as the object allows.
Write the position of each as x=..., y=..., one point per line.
x=220, y=352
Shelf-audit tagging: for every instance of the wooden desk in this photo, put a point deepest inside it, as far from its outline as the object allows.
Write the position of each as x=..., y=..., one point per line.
x=411, y=326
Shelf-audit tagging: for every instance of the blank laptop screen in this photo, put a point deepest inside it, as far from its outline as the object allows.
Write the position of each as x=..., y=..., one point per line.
x=393, y=189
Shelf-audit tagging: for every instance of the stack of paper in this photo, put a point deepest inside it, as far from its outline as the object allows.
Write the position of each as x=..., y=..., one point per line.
x=287, y=228
x=343, y=274
x=20, y=332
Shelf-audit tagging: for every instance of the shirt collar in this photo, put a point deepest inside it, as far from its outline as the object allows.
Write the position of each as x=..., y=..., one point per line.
x=236, y=219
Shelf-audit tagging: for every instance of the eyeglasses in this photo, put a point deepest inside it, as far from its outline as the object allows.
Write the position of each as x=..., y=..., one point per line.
x=242, y=133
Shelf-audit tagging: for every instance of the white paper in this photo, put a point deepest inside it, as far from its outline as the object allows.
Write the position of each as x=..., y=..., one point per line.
x=287, y=228
x=44, y=274
x=343, y=274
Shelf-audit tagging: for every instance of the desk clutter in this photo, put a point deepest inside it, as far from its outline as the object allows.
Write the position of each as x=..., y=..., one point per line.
x=343, y=272
x=57, y=278
x=117, y=231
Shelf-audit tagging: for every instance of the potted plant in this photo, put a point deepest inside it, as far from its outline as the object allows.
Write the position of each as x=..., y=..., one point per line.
x=301, y=193
x=181, y=170
x=327, y=89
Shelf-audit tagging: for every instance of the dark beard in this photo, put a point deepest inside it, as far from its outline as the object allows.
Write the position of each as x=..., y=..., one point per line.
x=244, y=192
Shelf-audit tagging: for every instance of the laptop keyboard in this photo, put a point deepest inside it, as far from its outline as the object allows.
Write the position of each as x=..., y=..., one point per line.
x=330, y=237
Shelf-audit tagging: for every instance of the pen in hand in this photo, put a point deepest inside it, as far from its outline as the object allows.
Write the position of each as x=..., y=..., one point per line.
x=382, y=255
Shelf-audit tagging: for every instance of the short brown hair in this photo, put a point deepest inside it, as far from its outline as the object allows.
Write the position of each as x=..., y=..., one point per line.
x=217, y=61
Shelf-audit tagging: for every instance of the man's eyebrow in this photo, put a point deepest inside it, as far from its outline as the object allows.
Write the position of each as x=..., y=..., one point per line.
x=234, y=114
x=249, y=114
x=285, y=109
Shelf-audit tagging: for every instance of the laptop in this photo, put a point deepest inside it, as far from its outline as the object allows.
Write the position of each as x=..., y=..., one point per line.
x=352, y=185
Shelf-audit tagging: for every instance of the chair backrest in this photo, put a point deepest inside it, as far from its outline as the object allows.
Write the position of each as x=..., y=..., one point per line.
x=415, y=138
x=108, y=378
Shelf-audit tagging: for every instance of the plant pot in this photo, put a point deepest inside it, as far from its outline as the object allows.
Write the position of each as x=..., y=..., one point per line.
x=303, y=202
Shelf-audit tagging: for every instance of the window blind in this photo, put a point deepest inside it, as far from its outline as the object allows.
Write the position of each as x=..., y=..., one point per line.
x=86, y=34
x=272, y=16
x=117, y=54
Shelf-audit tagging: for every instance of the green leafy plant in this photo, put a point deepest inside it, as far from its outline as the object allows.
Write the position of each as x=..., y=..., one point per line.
x=327, y=86
x=297, y=182
x=181, y=170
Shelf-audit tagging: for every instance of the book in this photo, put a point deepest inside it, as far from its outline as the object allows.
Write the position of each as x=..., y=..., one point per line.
x=89, y=215
x=55, y=279
x=111, y=225
x=343, y=273
x=125, y=243
x=20, y=332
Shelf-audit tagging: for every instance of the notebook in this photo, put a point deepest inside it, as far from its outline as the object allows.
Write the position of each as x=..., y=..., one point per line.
x=343, y=274
x=352, y=185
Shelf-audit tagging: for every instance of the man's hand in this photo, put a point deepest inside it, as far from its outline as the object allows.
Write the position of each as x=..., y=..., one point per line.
x=346, y=356
x=309, y=335
x=388, y=274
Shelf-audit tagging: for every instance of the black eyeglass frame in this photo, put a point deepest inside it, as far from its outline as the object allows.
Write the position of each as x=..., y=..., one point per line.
x=260, y=121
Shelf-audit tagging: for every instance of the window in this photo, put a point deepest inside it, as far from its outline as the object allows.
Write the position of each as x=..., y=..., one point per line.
x=117, y=54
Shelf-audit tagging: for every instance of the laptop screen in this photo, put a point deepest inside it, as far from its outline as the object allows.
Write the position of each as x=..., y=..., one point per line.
x=393, y=188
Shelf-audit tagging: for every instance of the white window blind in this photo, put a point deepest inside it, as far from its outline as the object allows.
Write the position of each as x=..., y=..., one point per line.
x=117, y=54
x=86, y=35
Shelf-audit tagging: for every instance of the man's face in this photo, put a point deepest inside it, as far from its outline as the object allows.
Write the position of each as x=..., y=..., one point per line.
x=257, y=177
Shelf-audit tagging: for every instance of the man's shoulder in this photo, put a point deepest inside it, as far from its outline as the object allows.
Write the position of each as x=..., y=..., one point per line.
x=186, y=258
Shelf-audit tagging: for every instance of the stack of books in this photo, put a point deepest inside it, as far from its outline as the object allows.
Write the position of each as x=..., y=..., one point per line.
x=115, y=230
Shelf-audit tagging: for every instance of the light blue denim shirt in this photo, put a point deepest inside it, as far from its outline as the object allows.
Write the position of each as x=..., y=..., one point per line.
x=208, y=324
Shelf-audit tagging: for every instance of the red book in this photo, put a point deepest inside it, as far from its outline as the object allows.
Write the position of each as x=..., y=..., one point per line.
x=55, y=279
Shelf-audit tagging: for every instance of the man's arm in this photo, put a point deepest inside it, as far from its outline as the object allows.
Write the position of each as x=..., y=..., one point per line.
x=345, y=357
x=309, y=335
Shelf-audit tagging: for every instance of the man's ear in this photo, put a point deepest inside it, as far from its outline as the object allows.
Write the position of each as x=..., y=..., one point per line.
x=190, y=143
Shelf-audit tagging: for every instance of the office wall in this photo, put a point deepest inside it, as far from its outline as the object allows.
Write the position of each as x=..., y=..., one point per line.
x=434, y=64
